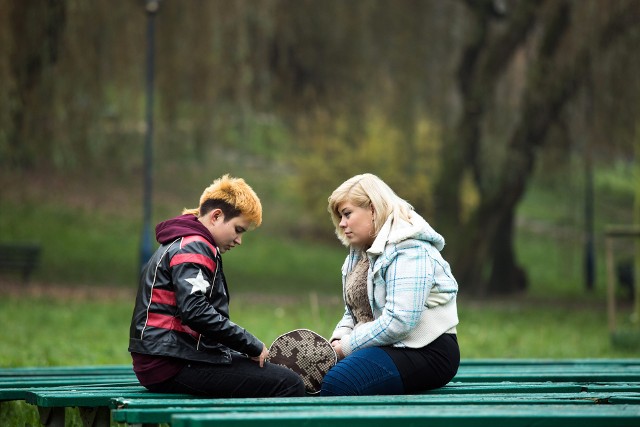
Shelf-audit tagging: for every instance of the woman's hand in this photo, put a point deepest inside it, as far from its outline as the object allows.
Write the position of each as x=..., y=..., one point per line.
x=263, y=356
x=337, y=346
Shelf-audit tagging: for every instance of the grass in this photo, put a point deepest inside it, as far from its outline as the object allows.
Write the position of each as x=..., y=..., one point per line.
x=71, y=330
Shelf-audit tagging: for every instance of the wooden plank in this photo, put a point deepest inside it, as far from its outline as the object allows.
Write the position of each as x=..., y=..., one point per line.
x=21, y=391
x=432, y=416
x=464, y=364
x=450, y=389
x=29, y=393
x=548, y=362
x=9, y=394
x=625, y=399
x=58, y=382
x=551, y=368
x=624, y=387
x=66, y=371
x=553, y=376
x=102, y=395
x=154, y=402
x=548, y=368
x=163, y=414
x=90, y=397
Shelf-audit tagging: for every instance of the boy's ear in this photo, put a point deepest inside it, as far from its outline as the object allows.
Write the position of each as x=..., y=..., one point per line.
x=215, y=214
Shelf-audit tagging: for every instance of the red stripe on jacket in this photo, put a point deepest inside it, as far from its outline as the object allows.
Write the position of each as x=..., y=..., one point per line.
x=161, y=296
x=188, y=239
x=203, y=260
x=169, y=322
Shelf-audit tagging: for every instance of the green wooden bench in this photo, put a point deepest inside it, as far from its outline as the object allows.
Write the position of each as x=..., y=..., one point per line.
x=545, y=389
x=516, y=392
x=566, y=415
x=18, y=383
x=19, y=258
x=163, y=411
x=93, y=402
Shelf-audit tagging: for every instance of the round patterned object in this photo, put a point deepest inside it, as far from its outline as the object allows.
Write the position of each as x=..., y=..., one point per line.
x=305, y=353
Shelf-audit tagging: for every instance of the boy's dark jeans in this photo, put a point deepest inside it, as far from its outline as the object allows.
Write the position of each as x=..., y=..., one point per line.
x=242, y=378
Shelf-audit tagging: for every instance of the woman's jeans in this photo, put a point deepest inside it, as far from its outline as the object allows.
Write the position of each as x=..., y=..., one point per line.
x=242, y=378
x=392, y=370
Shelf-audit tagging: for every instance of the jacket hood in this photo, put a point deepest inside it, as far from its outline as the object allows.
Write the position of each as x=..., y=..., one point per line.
x=181, y=226
x=396, y=230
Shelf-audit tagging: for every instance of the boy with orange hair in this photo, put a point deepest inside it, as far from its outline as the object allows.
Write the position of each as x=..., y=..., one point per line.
x=181, y=337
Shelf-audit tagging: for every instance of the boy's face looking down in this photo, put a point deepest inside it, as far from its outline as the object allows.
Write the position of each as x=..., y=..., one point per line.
x=226, y=234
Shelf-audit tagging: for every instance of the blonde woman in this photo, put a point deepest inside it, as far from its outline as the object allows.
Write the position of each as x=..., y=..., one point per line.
x=398, y=332
x=181, y=338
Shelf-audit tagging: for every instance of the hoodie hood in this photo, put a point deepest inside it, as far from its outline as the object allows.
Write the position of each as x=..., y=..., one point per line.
x=181, y=226
x=396, y=230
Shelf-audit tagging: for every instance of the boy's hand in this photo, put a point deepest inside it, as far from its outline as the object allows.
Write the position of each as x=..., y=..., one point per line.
x=263, y=356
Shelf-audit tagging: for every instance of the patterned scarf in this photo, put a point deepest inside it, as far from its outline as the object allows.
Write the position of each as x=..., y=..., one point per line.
x=356, y=292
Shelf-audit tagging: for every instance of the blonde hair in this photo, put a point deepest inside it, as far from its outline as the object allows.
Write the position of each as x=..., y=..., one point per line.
x=235, y=193
x=364, y=191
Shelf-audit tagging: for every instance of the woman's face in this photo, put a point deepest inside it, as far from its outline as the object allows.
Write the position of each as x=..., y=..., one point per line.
x=357, y=224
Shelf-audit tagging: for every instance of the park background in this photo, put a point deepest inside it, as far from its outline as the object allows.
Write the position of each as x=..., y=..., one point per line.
x=512, y=126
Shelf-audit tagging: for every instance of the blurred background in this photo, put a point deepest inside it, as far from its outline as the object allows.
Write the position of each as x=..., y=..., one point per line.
x=513, y=126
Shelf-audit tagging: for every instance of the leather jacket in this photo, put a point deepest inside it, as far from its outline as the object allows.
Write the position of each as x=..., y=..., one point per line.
x=182, y=306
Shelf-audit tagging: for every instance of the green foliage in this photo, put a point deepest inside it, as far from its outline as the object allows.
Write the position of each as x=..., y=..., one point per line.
x=20, y=413
x=618, y=181
x=334, y=150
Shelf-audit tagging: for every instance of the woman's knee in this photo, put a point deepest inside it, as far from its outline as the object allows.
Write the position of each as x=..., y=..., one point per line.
x=366, y=372
x=339, y=381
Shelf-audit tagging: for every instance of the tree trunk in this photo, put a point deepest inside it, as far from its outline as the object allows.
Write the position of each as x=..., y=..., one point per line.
x=506, y=275
x=36, y=28
x=486, y=57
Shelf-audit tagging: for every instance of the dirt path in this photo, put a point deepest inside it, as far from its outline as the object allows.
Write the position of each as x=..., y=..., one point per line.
x=35, y=289
x=57, y=291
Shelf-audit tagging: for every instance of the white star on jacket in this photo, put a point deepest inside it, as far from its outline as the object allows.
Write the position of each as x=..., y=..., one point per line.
x=198, y=283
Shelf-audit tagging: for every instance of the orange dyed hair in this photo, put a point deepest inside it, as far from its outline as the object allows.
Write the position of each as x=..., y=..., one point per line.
x=236, y=193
